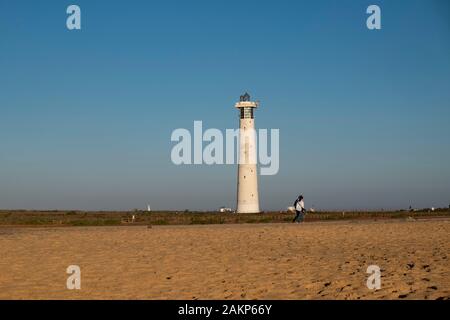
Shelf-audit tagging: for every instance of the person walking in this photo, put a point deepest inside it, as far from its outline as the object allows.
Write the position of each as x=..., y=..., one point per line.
x=299, y=206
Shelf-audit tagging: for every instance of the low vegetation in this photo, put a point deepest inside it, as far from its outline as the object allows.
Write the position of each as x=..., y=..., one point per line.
x=84, y=218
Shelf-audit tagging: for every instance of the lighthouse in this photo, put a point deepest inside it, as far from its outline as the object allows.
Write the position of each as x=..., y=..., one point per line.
x=247, y=184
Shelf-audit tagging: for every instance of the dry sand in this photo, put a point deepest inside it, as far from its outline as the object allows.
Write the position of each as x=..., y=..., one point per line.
x=264, y=261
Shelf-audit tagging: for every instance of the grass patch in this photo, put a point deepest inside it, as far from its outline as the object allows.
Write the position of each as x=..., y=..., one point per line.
x=85, y=218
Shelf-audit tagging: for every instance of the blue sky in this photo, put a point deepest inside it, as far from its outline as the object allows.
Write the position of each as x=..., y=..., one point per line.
x=86, y=116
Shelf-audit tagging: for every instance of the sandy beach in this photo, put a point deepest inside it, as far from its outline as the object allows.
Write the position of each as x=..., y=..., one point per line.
x=323, y=260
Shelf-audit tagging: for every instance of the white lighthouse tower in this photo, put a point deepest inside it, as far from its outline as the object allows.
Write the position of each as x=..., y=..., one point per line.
x=247, y=187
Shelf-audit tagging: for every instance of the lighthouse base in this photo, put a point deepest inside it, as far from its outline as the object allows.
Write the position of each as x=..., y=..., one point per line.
x=248, y=208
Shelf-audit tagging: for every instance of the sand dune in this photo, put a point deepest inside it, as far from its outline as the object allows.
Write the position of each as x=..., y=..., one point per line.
x=264, y=261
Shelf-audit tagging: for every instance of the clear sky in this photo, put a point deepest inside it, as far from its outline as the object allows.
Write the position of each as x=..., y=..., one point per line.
x=86, y=116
